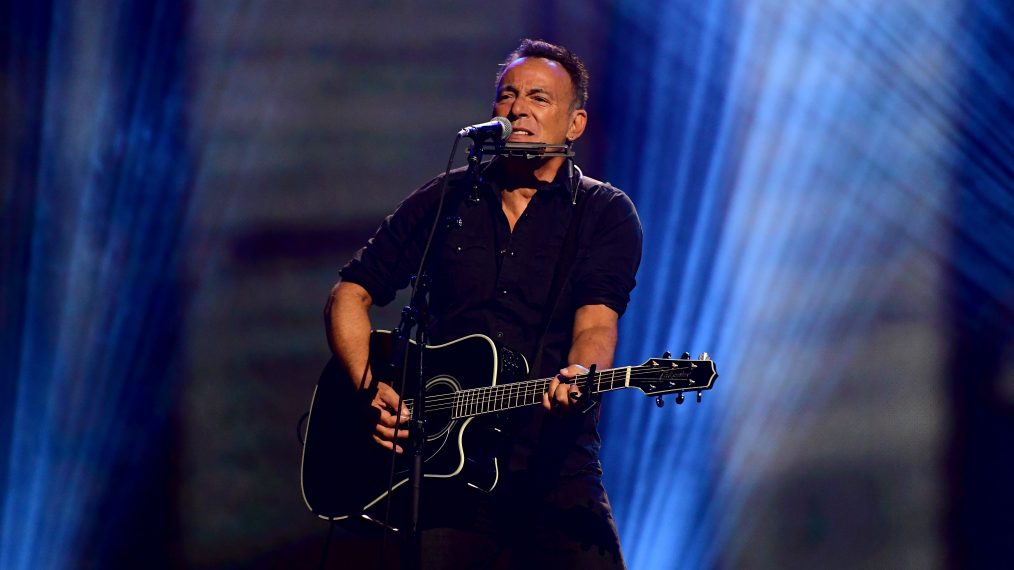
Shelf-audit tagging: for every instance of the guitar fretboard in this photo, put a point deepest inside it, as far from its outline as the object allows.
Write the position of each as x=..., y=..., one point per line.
x=491, y=399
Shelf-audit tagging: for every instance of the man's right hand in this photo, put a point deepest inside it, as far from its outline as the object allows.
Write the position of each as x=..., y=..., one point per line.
x=347, y=321
x=386, y=401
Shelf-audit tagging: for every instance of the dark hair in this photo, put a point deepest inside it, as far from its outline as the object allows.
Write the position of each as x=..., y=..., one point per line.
x=570, y=62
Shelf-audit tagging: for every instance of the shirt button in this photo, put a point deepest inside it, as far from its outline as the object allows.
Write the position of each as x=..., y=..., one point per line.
x=503, y=251
x=499, y=334
x=458, y=249
x=503, y=292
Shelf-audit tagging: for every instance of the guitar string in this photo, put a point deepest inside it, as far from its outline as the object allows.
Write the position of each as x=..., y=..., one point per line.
x=487, y=394
x=478, y=399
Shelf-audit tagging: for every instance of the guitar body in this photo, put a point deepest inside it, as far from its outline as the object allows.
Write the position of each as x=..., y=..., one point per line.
x=345, y=473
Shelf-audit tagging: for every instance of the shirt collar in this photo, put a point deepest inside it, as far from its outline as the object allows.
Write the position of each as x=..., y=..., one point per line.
x=558, y=187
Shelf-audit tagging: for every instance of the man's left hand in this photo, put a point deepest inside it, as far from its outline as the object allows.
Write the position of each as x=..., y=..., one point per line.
x=563, y=394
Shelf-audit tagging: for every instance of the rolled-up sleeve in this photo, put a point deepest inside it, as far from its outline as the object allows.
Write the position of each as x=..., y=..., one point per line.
x=389, y=259
x=606, y=269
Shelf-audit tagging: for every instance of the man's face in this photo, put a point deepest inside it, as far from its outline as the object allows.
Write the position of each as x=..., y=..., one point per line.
x=536, y=94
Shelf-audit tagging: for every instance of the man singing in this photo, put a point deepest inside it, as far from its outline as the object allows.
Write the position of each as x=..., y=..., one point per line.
x=492, y=273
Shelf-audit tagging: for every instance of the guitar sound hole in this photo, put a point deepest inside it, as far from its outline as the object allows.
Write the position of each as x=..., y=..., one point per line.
x=439, y=399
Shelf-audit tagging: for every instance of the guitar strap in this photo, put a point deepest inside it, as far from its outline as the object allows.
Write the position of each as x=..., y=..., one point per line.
x=564, y=264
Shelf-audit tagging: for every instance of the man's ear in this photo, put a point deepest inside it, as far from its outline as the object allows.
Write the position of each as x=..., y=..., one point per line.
x=578, y=120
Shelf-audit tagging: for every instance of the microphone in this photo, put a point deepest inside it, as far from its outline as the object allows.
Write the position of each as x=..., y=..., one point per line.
x=499, y=128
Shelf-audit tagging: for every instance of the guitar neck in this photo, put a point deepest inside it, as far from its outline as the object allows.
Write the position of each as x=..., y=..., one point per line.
x=498, y=398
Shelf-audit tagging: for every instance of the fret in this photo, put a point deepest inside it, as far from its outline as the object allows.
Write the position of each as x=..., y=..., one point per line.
x=490, y=399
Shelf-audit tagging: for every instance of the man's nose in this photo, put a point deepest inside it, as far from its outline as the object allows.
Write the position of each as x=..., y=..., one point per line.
x=518, y=109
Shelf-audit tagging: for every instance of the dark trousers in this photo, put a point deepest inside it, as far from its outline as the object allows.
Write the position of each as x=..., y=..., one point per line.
x=568, y=526
x=571, y=526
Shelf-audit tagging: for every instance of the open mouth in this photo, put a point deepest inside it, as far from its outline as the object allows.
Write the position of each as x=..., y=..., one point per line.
x=521, y=131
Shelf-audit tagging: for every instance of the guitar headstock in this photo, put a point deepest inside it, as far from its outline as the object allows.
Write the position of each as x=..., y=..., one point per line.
x=658, y=376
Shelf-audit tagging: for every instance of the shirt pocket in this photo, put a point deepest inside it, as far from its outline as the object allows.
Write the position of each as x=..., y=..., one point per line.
x=465, y=268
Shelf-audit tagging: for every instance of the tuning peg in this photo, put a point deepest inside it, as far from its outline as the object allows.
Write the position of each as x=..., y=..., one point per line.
x=704, y=356
x=667, y=354
x=680, y=398
x=659, y=401
x=685, y=355
x=699, y=396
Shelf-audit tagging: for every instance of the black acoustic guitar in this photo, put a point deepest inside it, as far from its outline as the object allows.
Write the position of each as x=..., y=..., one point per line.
x=345, y=473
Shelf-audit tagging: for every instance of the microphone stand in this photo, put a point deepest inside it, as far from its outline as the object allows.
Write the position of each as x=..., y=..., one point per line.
x=416, y=314
x=474, y=160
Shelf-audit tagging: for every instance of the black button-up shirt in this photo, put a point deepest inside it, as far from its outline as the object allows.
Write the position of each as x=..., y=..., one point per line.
x=491, y=280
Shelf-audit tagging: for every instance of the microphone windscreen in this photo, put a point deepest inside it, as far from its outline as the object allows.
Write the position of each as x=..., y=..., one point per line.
x=507, y=128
